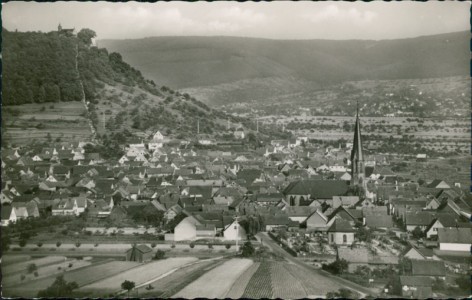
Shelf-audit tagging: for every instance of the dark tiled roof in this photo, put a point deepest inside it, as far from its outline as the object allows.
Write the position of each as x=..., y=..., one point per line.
x=428, y=267
x=341, y=225
x=324, y=189
x=455, y=235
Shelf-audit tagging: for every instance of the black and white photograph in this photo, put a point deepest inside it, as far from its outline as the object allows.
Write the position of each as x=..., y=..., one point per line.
x=236, y=150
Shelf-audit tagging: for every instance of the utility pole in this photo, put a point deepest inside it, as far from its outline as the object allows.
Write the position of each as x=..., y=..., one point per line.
x=237, y=232
x=198, y=126
x=228, y=124
x=257, y=125
x=104, y=122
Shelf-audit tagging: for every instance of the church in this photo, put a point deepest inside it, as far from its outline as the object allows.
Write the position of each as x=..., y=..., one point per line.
x=357, y=157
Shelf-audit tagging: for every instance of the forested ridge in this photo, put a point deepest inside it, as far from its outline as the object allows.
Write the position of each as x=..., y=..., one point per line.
x=41, y=67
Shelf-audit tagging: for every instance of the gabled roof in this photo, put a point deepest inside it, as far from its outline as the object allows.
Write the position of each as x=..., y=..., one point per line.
x=341, y=225
x=455, y=235
x=299, y=211
x=6, y=212
x=419, y=218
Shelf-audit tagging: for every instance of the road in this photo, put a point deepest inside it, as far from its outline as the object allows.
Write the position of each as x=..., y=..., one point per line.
x=274, y=247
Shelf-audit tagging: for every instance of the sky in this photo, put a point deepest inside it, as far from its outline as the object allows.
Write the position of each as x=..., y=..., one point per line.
x=274, y=20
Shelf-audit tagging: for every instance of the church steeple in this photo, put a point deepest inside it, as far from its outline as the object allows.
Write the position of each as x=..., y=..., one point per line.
x=357, y=155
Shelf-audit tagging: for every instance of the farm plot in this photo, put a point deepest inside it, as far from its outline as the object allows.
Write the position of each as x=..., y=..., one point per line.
x=217, y=282
x=315, y=285
x=173, y=283
x=45, y=271
x=139, y=275
x=21, y=266
x=81, y=276
x=12, y=259
x=260, y=285
x=284, y=285
x=237, y=290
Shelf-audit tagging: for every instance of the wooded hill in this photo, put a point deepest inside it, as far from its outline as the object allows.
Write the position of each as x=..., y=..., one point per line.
x=223, y=70
x=51, y=67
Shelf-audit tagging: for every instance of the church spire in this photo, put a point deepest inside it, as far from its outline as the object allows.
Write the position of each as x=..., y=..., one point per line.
x=357, y=155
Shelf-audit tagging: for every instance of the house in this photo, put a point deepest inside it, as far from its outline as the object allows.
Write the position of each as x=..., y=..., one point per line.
x=438, y=184
x=234, y=231
x=345, y=201
x=172, y=212
x=317, y=221
x=28, y=209
x=8, y=215
x=421, y=157
x=205, y=231
x=413, y=287
x=420, y=253
x=421, y=219
x=139, y=253
x=299, y=213
x=301, y=192
x=380, y=221
x=70, y=206
x=440, y=221
x=455, y=239
x=341, y=233
x=186, y=229
x=157, y=137
x=239, y=134
x=430, y=268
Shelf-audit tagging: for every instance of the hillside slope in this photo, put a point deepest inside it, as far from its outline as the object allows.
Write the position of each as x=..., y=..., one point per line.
x=225, y=69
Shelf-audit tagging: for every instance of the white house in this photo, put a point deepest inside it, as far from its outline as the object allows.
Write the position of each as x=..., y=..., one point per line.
x=234, y=231
x=8, y=215
x=341, y=233
x=239, y=134
x=455, y=239
x=158, y=136
x=186, y=229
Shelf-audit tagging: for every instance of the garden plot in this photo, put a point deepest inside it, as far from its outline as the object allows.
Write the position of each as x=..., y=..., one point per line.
x=315, y=284
x=22, y=266
x=237, y=290
x=139, y=275
x=217, y=282
x=260, y=285
x=285, y=285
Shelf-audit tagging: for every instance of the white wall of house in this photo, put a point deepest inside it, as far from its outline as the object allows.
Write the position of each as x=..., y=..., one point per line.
x=231, y=232
x=341, y=238
x=433, y=231
x=454, y=247
x=298, y=219
x=185, y=230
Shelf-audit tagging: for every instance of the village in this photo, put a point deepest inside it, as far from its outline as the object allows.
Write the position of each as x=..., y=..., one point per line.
x=335, y=208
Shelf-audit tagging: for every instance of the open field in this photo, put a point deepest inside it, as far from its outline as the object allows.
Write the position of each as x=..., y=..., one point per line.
x=64, y=120
x=82, y=276
x=176, y=281
x=139, y=275
x=217, y=282
x=11, y=259
x=21, y=266
x=45, y=271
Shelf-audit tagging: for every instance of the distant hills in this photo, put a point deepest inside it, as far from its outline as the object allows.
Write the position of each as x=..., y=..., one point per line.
x=226, y=69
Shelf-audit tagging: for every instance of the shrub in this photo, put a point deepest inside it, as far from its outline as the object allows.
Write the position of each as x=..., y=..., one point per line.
x=159, y=254
x=192, y=245
x=70, y=265
x=96, y=245
x=39, y=244
x=210, y=246
x=153, y=245
x=173, y=246
x=36, y=274
x=59, y=268
x=31, y=268
x=22, y=277
x=58, y=244
x=227, y=246
x=64, y=231
x=22, y=243
x=78, y=244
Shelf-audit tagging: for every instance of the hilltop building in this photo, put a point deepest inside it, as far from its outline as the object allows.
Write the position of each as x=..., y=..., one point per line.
x=64, y=31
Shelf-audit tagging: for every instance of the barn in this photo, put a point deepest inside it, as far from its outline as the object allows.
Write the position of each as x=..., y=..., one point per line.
x=139, y=253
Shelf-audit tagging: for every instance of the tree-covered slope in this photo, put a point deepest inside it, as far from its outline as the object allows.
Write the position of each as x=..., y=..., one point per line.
x=229, y=69
x=38, y=67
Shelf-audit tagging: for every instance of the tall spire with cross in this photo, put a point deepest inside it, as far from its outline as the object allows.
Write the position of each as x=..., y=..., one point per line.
x=357, y=155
